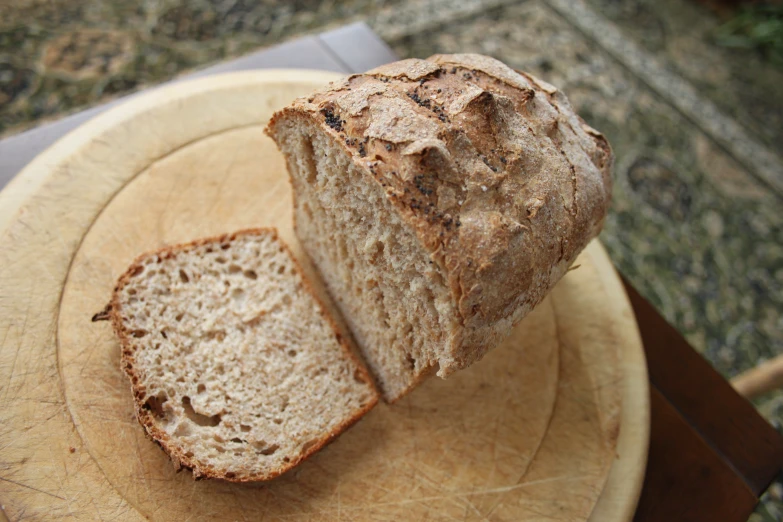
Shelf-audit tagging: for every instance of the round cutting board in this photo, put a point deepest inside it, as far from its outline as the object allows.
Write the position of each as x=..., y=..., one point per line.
x=553, y=424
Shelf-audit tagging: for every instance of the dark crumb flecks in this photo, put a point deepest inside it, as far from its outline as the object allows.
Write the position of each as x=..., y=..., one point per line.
x=458, y=223
x=502, y=160
x=388, y=147
x=467, y=76
x=427, y=104
x=415, y=97
x=332, y=120
x=362, y=150
x=418, y=180
x=488, y=164
x=421, y=82
x=439, y=91
x=453, y=70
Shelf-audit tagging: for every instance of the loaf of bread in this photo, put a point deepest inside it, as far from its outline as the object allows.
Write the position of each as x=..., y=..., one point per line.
x=236, y=370
x=441, y=200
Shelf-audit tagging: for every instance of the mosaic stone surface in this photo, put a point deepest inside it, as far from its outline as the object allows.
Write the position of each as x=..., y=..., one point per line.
x=741, y=83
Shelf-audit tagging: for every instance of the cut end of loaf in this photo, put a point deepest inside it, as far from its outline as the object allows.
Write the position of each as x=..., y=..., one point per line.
x=387, y=287
x=236, y=370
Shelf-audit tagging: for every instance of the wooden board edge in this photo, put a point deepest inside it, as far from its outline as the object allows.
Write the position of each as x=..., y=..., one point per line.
x=623, y=488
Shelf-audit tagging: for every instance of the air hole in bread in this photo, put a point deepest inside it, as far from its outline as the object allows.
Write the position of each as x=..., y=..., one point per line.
x=308, y=160
x=179, y=316
x=244, y=427
x=307, y=210
x=139, y=333
x=154, y=404
x=183, y=276
x=222, y=260
x=198, y=418
x=183, y=430
x=234, y=269
x=263, y=449
x=131, y=291
x=287, y=300
x=237, y=440
x=137, y=270
x=377, y=252
x=277, y=421
x=238, y=295
x=225, y=246
x=281, y=269
x=215, y=335
x=292, y=353
x=230, y=475
x=250, y=274
x=201, y=388
x=411, y=361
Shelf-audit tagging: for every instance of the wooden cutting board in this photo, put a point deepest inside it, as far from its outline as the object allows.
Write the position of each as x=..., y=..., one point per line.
x=528, y=433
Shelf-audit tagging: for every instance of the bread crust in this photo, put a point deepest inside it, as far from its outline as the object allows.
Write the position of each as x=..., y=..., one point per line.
x=145, y=417
x=501, y=181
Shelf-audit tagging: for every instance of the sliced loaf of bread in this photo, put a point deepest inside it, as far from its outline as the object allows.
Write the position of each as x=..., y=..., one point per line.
x=236, y=369
x=441, y=200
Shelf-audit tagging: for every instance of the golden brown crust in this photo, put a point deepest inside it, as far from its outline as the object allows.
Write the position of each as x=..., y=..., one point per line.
x=145, y=417
x=501, y=181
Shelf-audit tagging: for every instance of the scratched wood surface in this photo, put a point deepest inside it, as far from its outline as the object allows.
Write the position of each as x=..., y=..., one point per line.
x=530, y=432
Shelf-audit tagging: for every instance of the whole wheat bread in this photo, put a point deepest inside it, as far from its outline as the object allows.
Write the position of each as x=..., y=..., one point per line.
x=236, y=370
x=441, y=200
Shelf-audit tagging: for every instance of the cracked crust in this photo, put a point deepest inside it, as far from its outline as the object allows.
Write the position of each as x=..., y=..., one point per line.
x=114, y=313
x=502, y=182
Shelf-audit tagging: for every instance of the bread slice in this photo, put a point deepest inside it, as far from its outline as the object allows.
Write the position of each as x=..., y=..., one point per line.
x=236, y=370
x=441, y=200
